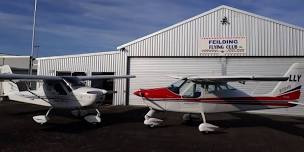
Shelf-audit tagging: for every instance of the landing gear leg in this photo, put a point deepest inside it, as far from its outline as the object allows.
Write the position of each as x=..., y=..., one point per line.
x=150, y=121
x=41, y=119
x=206, y=127
x=93, y=119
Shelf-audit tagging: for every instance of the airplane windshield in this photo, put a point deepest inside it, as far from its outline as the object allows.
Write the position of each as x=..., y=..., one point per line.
x=175, y=87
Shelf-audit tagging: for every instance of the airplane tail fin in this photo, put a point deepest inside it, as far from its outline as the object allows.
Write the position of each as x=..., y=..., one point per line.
x=291, y=89
x=8, y=86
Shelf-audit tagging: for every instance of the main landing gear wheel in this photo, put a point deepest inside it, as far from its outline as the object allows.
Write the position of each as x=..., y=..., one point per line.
x=150, y=121
x=93, y=119
x=41, y=119
x=206, y=127
x=189, y=118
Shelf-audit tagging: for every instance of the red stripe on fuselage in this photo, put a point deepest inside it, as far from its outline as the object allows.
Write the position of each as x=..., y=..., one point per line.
x=159, y=93
x=164, y=94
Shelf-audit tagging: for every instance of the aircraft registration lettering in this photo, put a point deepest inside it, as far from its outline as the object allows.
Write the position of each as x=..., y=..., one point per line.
x=295, y=78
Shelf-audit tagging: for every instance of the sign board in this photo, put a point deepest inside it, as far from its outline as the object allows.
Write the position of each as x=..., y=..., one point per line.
x=224, y=46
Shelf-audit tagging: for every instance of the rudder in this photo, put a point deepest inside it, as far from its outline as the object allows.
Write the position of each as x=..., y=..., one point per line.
x=8, y=86
x=294, y=83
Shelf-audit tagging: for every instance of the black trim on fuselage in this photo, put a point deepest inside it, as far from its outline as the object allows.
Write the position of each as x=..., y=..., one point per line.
x=299, y=87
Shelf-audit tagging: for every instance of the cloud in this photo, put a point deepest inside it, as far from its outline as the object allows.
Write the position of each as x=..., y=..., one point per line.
x=69, y=26
x=15, y=21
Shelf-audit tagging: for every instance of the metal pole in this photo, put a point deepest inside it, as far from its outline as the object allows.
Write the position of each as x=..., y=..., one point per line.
x=33, y=40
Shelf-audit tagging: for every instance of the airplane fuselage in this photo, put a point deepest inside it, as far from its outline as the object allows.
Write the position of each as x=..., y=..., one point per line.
x=164, y=99
x=214, y=94
x=81, y=97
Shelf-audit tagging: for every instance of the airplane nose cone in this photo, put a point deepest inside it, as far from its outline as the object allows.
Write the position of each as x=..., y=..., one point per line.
x=138, y=93
x=141, y=93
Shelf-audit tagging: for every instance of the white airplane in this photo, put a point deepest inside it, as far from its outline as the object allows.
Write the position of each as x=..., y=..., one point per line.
x=61, y=92
x=212, y=94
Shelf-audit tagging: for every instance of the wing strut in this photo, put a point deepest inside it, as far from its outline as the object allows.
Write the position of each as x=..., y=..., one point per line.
x=29, y=90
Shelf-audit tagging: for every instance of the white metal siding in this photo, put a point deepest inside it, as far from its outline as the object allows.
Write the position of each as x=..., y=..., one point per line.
x=102, y=62
x=265, y=37
x=155, y=72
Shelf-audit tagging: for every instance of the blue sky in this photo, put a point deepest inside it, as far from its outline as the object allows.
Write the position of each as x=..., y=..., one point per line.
x=82, y=26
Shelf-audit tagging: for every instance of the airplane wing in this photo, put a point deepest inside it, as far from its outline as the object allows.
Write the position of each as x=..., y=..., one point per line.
x=236, y=78
x=24, y=77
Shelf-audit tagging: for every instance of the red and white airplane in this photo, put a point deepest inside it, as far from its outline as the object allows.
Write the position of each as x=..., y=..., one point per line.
x=212, y=94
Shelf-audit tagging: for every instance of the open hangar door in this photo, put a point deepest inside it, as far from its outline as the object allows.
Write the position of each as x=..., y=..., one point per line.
x=259, y=66
x=106, y=84
x=156, y=72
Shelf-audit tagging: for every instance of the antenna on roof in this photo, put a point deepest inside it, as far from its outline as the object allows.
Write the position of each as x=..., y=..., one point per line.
x=33, y=40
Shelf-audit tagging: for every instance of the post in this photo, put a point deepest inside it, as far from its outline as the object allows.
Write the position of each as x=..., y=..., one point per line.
x=33, y=40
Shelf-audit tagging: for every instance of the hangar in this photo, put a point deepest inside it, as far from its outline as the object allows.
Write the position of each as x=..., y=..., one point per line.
x=19, y=65
x=221, y=41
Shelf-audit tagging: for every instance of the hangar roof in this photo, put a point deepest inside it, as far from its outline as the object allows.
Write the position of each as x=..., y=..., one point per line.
x=79, y=55
x=206, y=13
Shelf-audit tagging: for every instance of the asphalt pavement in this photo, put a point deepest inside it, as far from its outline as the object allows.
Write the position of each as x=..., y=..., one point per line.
x=122, y=129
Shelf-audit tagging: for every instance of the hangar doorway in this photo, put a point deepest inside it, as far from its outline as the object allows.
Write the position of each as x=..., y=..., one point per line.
x=106, y=84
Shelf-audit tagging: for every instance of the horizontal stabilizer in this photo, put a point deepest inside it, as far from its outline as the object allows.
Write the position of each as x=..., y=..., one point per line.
x=297, y=103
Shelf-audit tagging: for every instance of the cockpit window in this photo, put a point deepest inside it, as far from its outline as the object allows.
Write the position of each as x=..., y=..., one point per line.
x=211, y=88
x=175, y=87
x=194, y=89
x=218, y=87
x=191, y=90
x=229, y=87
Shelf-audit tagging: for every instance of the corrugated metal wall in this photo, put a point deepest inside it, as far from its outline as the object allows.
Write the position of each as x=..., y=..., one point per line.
x=265, y=37
x=101, y=62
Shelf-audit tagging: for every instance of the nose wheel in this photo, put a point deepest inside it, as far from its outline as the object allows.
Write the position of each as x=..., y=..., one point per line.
x=93, y=119
x=150, y=121
x=41, y=119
